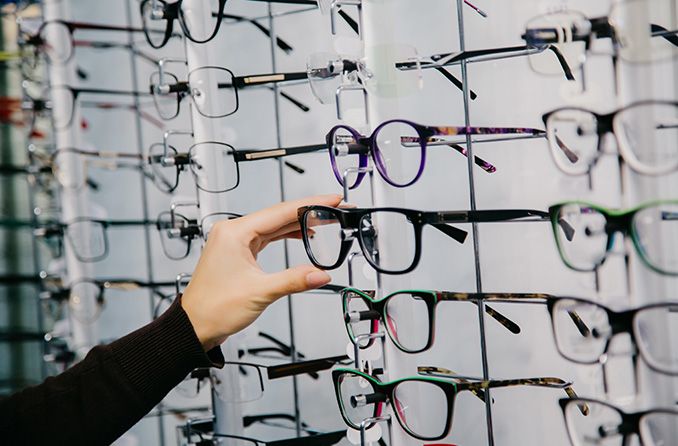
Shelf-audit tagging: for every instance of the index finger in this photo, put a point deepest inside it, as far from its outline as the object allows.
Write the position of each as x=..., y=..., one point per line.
x=270, y=220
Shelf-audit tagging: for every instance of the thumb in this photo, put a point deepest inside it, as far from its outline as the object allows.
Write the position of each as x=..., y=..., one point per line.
x=295, y=280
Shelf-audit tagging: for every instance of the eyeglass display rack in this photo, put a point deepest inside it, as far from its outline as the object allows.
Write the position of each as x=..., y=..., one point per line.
x=516, y=257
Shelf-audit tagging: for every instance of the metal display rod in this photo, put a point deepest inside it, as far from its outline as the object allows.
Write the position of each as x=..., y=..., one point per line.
x=74, y=202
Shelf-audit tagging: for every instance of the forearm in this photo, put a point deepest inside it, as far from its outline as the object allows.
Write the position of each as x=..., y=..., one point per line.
x=108, y=392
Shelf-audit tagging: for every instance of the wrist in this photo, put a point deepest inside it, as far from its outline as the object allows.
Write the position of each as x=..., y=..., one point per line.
x=208, y=337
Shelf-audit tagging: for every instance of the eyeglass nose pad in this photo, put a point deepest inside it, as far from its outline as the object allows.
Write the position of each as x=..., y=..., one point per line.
x=157, y=11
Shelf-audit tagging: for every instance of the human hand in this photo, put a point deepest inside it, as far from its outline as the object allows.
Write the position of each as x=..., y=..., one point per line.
x=228, y=290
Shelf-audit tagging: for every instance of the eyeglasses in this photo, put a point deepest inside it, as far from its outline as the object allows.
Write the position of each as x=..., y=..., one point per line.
x=214, y=90
x=645, y=133
x=203, y=429
x=423, y=405
x=88, y=237
x=398, y=148
x=158, y=18
x=585, y=245
x=589, y=343
x=88, y=159
x=436, y=61
x=62, y=31
x=328, y=233
x=574, y=34
x=409, y=316
x=86, y=298
x=67, y=97
x=610, y=426
x=251, y=383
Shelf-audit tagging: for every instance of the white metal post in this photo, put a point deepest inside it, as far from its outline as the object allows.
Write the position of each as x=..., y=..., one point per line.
x=228, y=416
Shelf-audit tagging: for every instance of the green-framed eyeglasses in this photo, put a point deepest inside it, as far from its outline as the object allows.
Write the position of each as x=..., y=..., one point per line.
x=652, y=227
x=423, y=404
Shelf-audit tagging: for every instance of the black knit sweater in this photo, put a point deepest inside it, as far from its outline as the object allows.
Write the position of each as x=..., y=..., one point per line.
x=104, y=395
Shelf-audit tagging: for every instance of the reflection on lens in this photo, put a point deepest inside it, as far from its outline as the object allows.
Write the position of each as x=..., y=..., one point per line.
x=175, y=245
x=388, y=225
x=344, y=163
x=407, y=320
x=154, y=25
x=357, y=397
x=573, y=131
x=166, y=103
x=63, y=101
x=647, y=136
x=581, y=236
x=214, y=167
x=548, y=30
x=324, y=75
x=83, y=301
x=582, y=330
x=355, y=308
x=166, y=178
x=51, y=33
x=238, y=383
x=659, y=428
x=88, y=239
x=324, y=236
x=383, y=78
x=655, y=232
x=599, y=428
x=399, y=155
x=422, y=407
x=654, y=329
x=201, y=24
x=213, y=92
x=635, y=42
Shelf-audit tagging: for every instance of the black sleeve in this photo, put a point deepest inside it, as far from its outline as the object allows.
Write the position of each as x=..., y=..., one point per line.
x=104, y=395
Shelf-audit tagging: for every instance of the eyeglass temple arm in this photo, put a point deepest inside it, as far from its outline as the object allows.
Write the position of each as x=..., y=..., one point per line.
x=445, y=373
x=660, y=31
x=252, y=155
x=302, y=367
x=452, y=78
x=261, y=79
x=77, y=91
x=549, y=382
x=280, y=42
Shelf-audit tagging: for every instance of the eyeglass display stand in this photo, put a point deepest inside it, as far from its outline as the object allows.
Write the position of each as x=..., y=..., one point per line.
x=228, y=416
x=74, y=202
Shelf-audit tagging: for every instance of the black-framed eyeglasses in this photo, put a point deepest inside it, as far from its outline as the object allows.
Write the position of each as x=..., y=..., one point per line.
x=589, y=343
x=158, y=16
x=423, y=404
x=609, y=425
x=645, y=133
x=213, y=90
x=590, y=235
x=62, y=31
x=574, y=35
x=328, y=233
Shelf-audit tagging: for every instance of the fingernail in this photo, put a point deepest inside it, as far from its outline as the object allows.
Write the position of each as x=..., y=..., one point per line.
x=317, y=279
